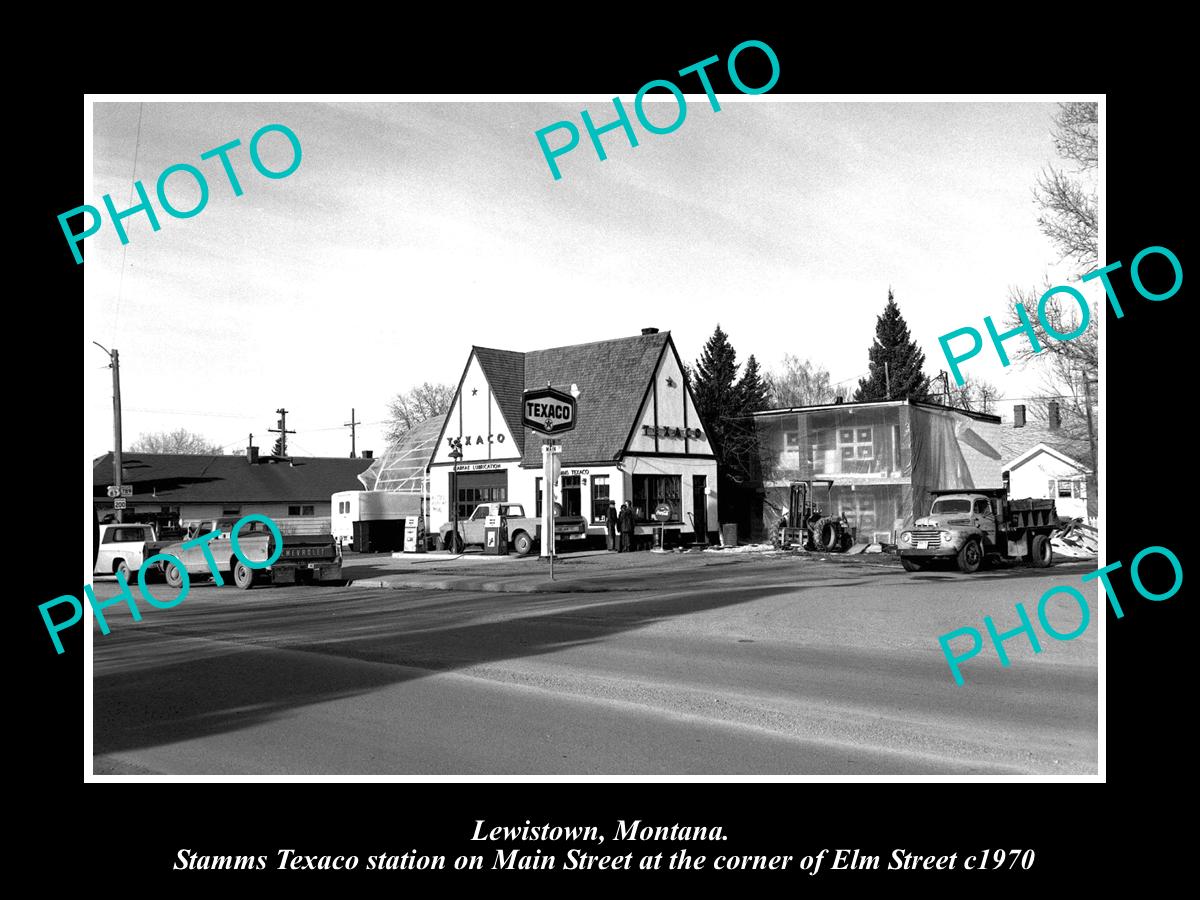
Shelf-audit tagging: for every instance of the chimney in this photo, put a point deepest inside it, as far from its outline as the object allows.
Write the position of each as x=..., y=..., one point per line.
x=1053, y=418
x=1019, y=416
x=252, y=455
x=649, y=331
x=368, y=454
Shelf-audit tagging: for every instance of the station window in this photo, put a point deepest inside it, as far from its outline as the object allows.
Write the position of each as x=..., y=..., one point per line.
x=651, y=491
x=600, y=498
x=302, y=510
x=231, y=510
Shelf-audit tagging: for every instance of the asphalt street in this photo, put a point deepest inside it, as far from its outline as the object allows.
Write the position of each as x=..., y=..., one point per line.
x=728, y=665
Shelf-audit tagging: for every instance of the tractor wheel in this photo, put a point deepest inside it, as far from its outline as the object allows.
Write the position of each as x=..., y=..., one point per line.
x=970, y=557
x=912, y=565
x=827, y=534
x=1041, y=554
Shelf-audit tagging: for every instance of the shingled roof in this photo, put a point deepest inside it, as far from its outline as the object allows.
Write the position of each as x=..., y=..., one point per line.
x=505, y=372
x=1069, y=441
x=612, y=377
x=174, y=478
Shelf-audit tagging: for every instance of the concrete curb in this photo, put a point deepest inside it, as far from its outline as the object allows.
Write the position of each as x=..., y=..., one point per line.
x=496, y=587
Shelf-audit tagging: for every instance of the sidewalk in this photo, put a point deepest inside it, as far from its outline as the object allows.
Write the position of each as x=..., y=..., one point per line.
x=587, y=571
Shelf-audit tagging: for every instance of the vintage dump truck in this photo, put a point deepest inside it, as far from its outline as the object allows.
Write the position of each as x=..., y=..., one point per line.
x=524, y=532
x=312, y=558
x=972, y=526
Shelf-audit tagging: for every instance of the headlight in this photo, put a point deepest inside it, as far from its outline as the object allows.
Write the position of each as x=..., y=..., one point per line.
x=947, y=536
x=906, y=537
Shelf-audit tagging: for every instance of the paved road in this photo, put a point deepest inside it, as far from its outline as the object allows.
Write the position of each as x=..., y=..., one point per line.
x=731, y=666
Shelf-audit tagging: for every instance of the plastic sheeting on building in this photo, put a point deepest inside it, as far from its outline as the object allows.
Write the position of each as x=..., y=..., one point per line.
x=883, y=458
x=401, y=469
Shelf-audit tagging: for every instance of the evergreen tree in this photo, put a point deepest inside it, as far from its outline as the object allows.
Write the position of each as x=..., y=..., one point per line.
x=753, y=390
x=905, y=361
x=713, y=382
x=277, y=448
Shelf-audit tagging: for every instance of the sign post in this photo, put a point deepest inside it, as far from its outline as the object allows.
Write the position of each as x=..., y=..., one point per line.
x=549, y=412
x=662, y=513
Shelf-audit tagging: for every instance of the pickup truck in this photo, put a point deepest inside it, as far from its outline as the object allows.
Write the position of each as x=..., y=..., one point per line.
x=524, y=532
x=305, y=557
x=971, y=526
x=122, y=548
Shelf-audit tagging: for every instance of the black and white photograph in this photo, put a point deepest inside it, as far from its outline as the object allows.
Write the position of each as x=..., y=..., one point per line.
x=673, y=435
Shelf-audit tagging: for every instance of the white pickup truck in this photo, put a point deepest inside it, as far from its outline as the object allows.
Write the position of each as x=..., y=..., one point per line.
x=524, y=532
x=122, y=548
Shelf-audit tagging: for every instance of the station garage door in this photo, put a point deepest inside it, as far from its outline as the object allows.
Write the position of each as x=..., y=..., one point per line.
x=474, y=488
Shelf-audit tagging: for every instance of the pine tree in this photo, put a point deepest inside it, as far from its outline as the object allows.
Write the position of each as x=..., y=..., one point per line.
x=905, y=360
x=752, y=388
x=713, y=385
x=277, y=449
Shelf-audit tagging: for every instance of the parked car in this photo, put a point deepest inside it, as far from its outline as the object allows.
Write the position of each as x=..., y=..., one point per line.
x=122, y=548
x=524, y=533
x=314, y=558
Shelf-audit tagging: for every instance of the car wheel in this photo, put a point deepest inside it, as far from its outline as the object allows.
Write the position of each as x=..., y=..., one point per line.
x=173, y=575
x=970, y=557
x=1041, y=553
x=243, y=576
x=522, y=543
x=912, y=565
x=122, y=570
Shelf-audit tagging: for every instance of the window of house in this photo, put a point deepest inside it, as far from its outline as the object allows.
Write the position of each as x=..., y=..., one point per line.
x=538, y=490
x=231, y=510
x=1064, y=488
x=600, y=498
x=651, y=491
x=294, y=510
x=791, y=440
x=856, y=443
x=302, y=510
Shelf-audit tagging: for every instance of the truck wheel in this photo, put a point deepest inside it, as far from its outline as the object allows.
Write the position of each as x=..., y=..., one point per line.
x=122, y=569
x=522, y=543
x=1041, y=554
x=173, y=576
x=970, y=557
x=452, y=542
x=243, y=576
x=827, y=534
x=912, y=565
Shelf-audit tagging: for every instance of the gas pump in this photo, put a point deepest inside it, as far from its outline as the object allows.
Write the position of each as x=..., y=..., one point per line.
x=495, y=535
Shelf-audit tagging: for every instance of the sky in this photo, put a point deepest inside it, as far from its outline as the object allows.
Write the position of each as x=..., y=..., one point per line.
x=412, y=231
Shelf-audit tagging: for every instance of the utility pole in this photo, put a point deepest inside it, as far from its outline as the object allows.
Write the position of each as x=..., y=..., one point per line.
x=283, y=431
x=114, y=363
x=352, y=423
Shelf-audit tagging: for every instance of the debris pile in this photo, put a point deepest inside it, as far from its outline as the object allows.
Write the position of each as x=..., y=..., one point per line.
x=1076, y=540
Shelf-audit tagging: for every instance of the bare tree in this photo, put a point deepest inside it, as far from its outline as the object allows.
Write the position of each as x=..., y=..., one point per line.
x=798, y=383
x=178, y=441
x=974, y=396
x=1068, y=217
x=425, y=401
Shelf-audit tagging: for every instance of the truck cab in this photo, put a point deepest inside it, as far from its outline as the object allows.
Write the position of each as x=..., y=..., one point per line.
x=122, y=548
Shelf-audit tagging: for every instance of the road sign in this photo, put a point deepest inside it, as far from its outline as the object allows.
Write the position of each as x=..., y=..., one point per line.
x=119, y=503
x=124, y=490
x=548, y=411
x=127, y=490
x=114, y=491
x=662, y=512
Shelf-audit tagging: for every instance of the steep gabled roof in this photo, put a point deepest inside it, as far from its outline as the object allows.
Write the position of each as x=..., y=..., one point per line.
x=612, y=376
x=173, y=478
x=505, y=372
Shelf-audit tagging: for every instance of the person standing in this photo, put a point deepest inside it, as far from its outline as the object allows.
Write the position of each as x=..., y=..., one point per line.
x=625, y=521
x=610, y=519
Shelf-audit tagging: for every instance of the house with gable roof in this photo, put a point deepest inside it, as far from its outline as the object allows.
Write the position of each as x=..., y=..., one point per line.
x=638, y=437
